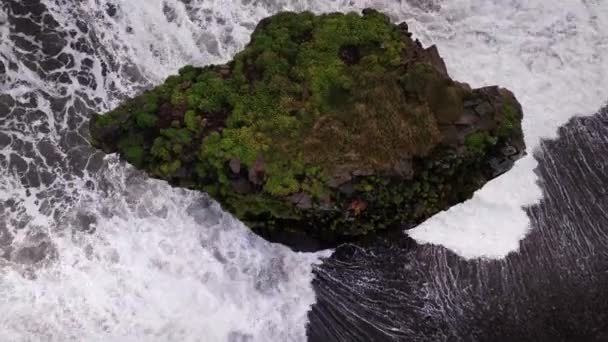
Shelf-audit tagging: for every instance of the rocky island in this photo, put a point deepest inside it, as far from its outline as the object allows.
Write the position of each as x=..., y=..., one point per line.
x=324, y=128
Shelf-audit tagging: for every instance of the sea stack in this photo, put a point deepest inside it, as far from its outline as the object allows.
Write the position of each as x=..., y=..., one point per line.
x=325, y=127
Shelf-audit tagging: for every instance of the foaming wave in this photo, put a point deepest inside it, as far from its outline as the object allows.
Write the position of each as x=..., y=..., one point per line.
x=93, y=250
x=553, y=59
x=153, y=263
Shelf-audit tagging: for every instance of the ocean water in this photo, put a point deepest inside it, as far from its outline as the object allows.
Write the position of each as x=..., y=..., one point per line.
x=93, y=250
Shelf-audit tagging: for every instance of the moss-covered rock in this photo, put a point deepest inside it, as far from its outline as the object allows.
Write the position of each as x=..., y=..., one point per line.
x=332, y=126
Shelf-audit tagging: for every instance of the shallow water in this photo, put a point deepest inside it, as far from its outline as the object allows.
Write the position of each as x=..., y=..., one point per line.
x=552, y=289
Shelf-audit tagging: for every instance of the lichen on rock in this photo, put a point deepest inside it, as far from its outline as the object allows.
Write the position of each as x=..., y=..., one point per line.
x=331, y=126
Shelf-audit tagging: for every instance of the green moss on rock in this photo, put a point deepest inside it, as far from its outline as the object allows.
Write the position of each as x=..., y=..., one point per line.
x=334, y=125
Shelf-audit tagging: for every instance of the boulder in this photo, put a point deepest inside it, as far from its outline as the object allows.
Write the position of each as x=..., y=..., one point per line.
x=328, y=126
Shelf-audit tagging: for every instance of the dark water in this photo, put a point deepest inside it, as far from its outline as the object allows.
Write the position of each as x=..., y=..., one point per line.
x=42, y=134
x=555, y=288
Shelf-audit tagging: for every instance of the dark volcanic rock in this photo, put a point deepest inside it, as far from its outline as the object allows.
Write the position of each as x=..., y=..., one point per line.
x=332, y=126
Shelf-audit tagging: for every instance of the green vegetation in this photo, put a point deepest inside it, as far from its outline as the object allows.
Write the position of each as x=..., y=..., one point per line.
x=478, y=142
x=511, y=123
x=317, y=121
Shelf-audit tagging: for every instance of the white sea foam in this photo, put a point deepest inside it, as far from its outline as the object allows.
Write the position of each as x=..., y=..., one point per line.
x=161, y=267
x=162, y=264
x=554, y=59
